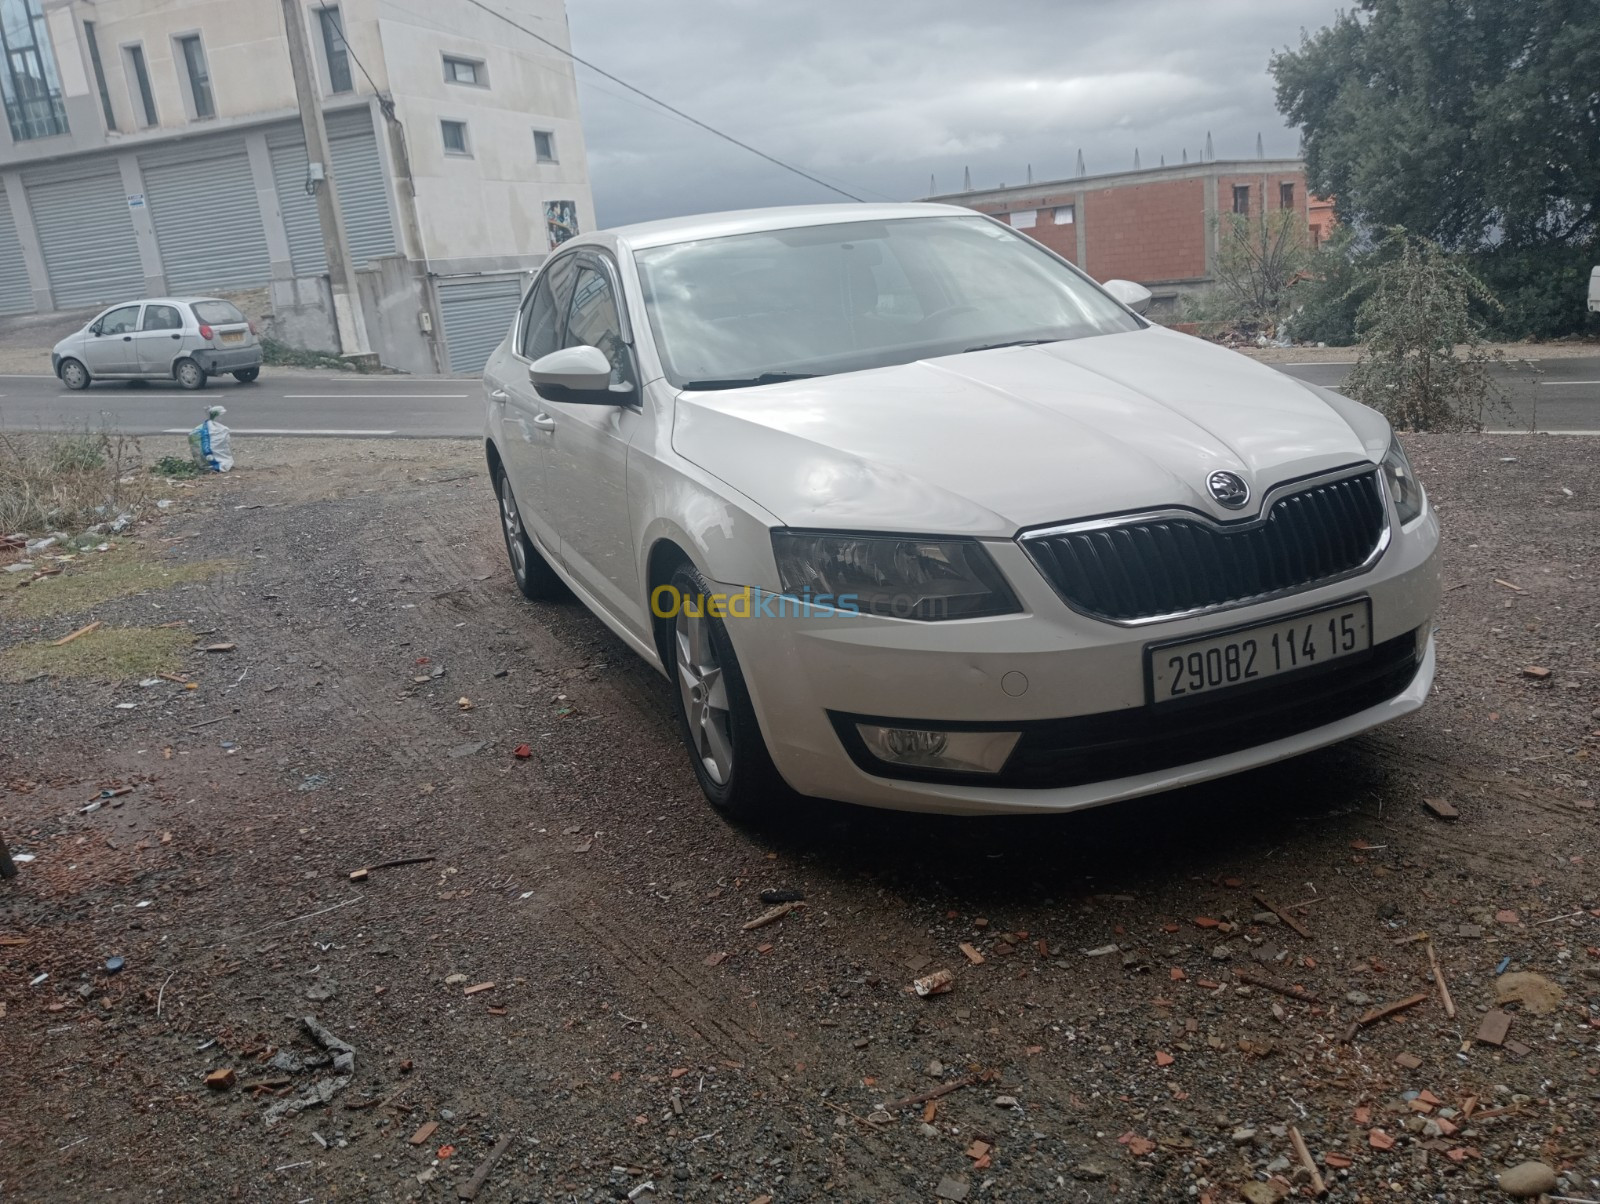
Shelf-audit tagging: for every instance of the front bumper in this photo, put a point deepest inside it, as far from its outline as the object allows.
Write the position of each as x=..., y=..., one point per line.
x=1074, y=684
x=228, y=359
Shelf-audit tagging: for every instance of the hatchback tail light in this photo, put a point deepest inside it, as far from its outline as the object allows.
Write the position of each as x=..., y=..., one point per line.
x=252, y=325
x=205, y=331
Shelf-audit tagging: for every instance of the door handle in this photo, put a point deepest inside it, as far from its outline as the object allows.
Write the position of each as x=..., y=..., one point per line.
x=544, y=422
x=127, y=338
x=498, y=395
x=179, y=335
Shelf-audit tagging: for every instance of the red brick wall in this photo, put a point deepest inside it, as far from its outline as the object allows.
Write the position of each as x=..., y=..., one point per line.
x=1151, y=231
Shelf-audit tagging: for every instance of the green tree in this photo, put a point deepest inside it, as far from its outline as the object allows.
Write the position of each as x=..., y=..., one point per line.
x=1423, y=365
x=1475, y=124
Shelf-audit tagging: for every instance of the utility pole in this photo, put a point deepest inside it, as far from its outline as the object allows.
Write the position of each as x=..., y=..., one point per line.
x=347, y=316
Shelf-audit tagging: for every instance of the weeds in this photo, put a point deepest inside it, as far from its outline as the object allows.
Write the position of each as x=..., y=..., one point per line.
x=87, y=582
x=111, y=653
x=177, y=466
x=281, y=355
x=69, y=481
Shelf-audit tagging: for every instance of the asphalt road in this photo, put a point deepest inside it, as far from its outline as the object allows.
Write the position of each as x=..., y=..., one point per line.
x=1562, y=395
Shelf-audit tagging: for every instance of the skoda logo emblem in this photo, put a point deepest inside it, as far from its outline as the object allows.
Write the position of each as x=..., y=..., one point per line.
x=1229, y=489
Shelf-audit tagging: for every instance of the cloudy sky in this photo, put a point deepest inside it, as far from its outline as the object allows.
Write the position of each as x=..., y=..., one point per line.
x=877, y=95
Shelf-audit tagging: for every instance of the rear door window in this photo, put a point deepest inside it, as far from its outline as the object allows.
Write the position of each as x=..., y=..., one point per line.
x=162, y=317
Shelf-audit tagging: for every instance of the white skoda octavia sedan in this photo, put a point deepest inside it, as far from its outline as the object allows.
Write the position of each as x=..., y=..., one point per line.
x=915, y=514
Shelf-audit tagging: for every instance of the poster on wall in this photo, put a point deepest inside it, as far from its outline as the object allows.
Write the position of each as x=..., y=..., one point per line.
x=560, y=221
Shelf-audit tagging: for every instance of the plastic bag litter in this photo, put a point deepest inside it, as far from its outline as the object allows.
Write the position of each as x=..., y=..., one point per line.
x=211, y=444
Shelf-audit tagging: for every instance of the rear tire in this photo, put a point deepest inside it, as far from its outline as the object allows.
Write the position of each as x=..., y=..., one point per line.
x=715, y=716
x=534, y=576
x=189, y=374
x=247, y=376
x=74, y=375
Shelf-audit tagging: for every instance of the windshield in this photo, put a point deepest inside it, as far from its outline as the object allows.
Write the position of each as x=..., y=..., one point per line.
x=781, y=304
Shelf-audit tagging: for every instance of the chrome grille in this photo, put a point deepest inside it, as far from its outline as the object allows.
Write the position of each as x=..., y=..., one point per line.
x=1168, y=565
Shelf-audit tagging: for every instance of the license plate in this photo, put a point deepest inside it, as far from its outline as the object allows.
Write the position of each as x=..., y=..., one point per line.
x=1218, y=662
x=233, y=336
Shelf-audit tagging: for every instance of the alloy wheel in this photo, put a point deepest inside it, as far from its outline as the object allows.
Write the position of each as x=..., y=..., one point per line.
x=513, y=525
x=705, y=694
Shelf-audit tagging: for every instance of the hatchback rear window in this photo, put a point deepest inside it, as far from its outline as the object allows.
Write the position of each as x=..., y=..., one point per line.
x=217, y=313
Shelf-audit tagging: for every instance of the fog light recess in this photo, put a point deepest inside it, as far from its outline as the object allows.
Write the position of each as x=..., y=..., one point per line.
x=927, y=748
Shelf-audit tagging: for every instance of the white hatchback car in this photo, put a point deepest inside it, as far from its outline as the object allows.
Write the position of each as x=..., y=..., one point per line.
x=186, y=339
x=914, y=514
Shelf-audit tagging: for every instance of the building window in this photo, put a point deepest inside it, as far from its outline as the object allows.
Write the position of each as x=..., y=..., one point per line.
x=544, y=146
x=1025, y=219
x=1241, y=199
x=99, y=75
x=334, y=49
x=1065, y=215
x=194, y=66
x=454, y=134
x=144, y=101
x=465, y=71
x=1285, y=196
x=28, y=78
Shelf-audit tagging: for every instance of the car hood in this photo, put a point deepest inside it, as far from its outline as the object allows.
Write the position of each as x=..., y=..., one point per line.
x=993, y=441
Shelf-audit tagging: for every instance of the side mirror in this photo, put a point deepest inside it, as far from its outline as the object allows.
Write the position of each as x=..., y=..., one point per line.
x=1135, y=296
x=94, y=328
x=577, y=375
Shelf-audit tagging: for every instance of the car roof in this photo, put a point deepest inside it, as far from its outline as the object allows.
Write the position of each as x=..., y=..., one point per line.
x=168, y=301
x=753, y=221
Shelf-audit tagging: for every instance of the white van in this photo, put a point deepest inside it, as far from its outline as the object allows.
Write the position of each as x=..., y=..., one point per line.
x=1594, y=291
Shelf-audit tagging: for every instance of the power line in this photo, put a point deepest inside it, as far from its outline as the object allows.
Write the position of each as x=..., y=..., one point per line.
x=656, y=100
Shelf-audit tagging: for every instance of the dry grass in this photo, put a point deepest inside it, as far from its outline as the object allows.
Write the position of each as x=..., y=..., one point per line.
x=109, y=654
x=90, y=580
x=69, y=481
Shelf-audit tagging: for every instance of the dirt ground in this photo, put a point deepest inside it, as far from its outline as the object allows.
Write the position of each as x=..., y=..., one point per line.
x=1114, y=1044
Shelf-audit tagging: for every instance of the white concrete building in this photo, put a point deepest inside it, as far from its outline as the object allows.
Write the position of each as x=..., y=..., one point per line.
x=154, y=146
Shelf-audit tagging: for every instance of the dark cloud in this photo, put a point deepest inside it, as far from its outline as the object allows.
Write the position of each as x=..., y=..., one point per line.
x=877, y=95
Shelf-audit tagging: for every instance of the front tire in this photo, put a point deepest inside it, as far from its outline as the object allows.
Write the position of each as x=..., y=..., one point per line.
x=247, y=376
x=74, y=375
x=534, y=576
x=715, y=716
x=189, y=374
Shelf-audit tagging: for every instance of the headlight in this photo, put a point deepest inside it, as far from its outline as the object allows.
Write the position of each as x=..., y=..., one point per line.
x=898, y=577
x=1403, y=483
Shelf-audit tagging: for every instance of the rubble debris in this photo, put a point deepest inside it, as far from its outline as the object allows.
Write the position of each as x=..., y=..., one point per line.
x=1283, y=915
x=952, y=1187
x=1438, y=978
x=925, y=1097
x=1536, y=672
x=1102, y=951
x=425, y=1132
x=344, y=1066
x=770, y=916
x=1408, y=1061
x=470, y=1190
x=522, y=752
x=970, y=952
x=1496, y=1024
x=1318, y=1187
x=222, y=1079
x=1443, y=808
x=1527, y=1180
x=82, y=631
x=1389, y=1009
x=937, y=983
x=1290, y=990
x=114, y=965
x=361, y=874
x=478, y=988
x=1538, y=995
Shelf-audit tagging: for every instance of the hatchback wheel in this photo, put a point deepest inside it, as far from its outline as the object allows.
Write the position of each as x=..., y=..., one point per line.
x=247, y=376
x=74, y=375
x=535, y=578
x=715, y=715
x=189, y=374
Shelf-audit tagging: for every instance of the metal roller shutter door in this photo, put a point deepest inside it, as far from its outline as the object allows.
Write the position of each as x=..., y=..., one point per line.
x=477, y=314
x=363, y=192
x=207, y=217
x=16, y=294
x=85, y=235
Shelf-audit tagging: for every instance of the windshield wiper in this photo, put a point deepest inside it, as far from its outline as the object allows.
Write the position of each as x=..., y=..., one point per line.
x=744, y=382
x=1012, y=343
